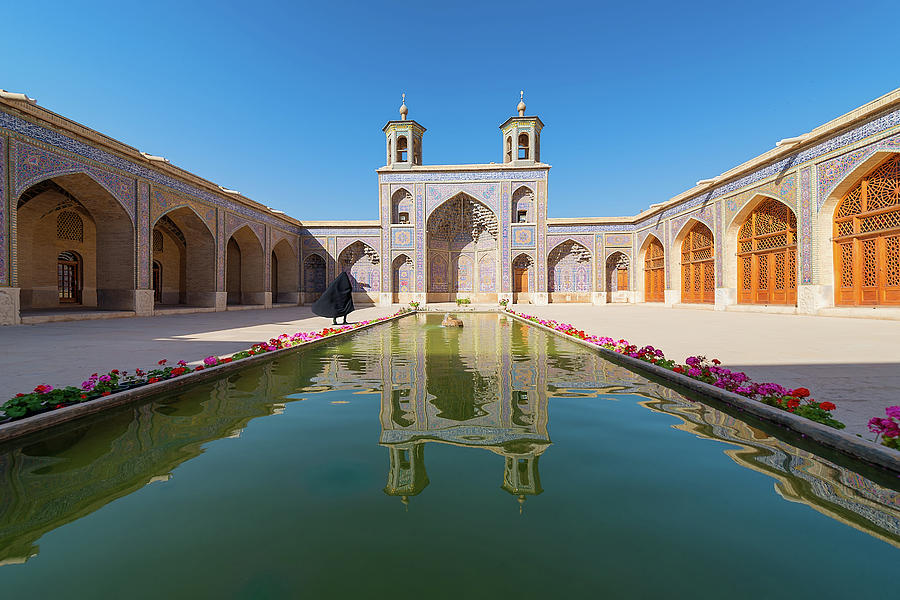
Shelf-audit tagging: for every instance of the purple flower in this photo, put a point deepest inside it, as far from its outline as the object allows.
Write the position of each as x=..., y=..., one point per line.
x=105, y=378
x=893, y=412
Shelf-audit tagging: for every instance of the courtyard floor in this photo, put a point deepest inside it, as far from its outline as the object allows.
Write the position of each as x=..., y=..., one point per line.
x=854, y=363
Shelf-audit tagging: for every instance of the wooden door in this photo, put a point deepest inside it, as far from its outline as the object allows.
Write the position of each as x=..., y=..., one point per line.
x=767, y=256
x=68, y=277
x=867, y=240
x=654, y=272
x=520, y=280
x=698, y=277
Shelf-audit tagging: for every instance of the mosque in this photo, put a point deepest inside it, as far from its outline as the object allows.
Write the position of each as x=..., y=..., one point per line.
x=91, y=227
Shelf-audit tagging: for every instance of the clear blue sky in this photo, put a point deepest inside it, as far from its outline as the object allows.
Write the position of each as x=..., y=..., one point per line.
x=286, y=102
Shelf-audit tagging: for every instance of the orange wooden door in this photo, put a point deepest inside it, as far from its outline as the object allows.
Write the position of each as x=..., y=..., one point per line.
x=621, y=279
x=767, y=256
x=867, y=240
x=698, y=277
x=520, y=280
x=654, y=272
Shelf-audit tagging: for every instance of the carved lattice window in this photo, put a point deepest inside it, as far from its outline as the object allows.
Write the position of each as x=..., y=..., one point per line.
x=767, y=251
x=69, y=226
x=157, y=241
x=866, y=229
x=698, y=266
x=654, y=272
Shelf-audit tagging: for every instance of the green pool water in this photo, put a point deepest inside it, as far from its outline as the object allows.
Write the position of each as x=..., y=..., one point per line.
x=413, y=461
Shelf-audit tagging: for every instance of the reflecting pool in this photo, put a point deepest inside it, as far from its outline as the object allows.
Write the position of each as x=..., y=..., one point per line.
x=409, y=460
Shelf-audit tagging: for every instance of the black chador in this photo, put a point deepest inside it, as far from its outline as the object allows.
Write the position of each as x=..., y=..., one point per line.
x=337, y=301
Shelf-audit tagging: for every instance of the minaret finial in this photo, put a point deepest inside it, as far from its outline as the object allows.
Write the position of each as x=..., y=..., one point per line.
x=521, y=106
x=403, y=110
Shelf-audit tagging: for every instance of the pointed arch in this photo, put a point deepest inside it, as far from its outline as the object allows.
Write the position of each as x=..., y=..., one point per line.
x=696, y=268
x=823, y=230
x=186, y=259
x=569, y=272
x=618, y=270
x=652, y=257
x=402, y=207
x=523, y=277
x=402, y=278
x=107, y=245
x=245, y=267
x=361, y=262
x=284, y=273
x=765, y=253
x=732, y=228
x=866, y=238
x=523, y=205
x=314, y=276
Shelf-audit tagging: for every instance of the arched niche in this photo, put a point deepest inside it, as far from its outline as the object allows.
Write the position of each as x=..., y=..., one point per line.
x=244, y=268
x=569, y=273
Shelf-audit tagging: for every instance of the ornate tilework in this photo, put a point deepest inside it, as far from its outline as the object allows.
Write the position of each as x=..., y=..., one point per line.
x=805, y=226
x=385, y=234
x=487, y=278
x=720, y=268
x=234, y=222
x=220, y=248
x=618, y=240
x=569, y=267
x=542, y=237
x=832, y=172
x=784, y=190
x=437, y=271
x=314, y=273
x=460, y=176
x=162, y=201
x=361, y=262
x=402, y=237
x=66, y=144
x=33, y=164
x=343, y=242
x=619, y=227
x=598, y=251
x=555, y=240
x=326, y=231
x=4, y=217
x=505, y=265
x=143, y=236
x=465, y=280
x=486, y=193
x=522, y=236
x=420, y=237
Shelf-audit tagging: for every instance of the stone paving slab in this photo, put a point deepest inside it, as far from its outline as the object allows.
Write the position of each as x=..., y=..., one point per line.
x=854, y=363
x=65, y=353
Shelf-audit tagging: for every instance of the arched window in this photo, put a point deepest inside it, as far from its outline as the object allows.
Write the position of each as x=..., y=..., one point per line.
x=767, y=255
x=69, y=226
x=867, y=239
x=417, y=151
x=157, y=240
x=401, y=207
x=68, y=277
x=523, y=206
x=401, y=149
x=654, y=272
x=523, y=146
x=698, y=277
x=508, y=148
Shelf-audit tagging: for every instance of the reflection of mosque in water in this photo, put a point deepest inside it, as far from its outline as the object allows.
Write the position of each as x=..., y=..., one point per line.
x=479, y=387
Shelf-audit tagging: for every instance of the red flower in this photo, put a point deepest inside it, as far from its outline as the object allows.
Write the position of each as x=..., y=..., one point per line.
x=83, y=397
x=716, y=361
x=105, y=393
x=226, y=360
x=678, y=369
x=800, y=393
x=115, y=371
x=153, y=380
x=793, y=403
x=198, y=368
x=827, y=405
x=59, y=406
x=162, y=362
x=19, y=395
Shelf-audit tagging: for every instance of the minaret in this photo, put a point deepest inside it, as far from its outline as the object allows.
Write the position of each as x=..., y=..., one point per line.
x=521, y=137
x=403, y=140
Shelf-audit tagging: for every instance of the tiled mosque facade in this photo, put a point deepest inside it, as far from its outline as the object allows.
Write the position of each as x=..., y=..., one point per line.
x=90, y=224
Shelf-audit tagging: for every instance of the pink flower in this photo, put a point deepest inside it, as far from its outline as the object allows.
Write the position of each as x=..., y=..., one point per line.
x=893, y=412
x=210, y=361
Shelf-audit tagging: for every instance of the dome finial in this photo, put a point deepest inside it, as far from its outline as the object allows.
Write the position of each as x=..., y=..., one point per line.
x=521, y=106
x=403, y=110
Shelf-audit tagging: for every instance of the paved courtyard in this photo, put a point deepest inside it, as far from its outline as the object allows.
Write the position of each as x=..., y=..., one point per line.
x=855, y=363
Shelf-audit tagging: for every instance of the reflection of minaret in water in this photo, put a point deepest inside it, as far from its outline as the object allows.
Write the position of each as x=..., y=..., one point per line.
x=521, y=477
x=407, y=476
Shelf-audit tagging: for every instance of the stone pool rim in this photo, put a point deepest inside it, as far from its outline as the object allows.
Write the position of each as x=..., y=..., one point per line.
x=36, y=423
x=833, y=439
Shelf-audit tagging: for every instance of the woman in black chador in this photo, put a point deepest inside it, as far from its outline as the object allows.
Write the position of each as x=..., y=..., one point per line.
x=337, y=301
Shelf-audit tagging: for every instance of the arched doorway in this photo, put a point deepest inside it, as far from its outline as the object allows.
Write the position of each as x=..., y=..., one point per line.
x=654, y=271
x=360, y=261
x=157, y=282
x=68, y=275
x=284, y=274
x=867, y=239
x=522, y=271
x=313, y=277
x=244, y=268
x=461, y=232
x=185, y=249
x=569, y=273
x=698, y=276
x=402, y=279
x=617, y=277
x=767, y=255
x=75, y=214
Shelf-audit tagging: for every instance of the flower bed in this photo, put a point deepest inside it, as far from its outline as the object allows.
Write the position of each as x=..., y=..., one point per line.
x=45, y=398
x=887, y=428
x=795, y=401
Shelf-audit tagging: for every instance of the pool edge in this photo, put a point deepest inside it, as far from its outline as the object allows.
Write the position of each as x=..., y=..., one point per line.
x=29, y=425
x=834, y=439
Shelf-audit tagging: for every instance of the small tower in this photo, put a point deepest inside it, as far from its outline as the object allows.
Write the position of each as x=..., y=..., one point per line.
x=521, y=137
x=404, y=140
